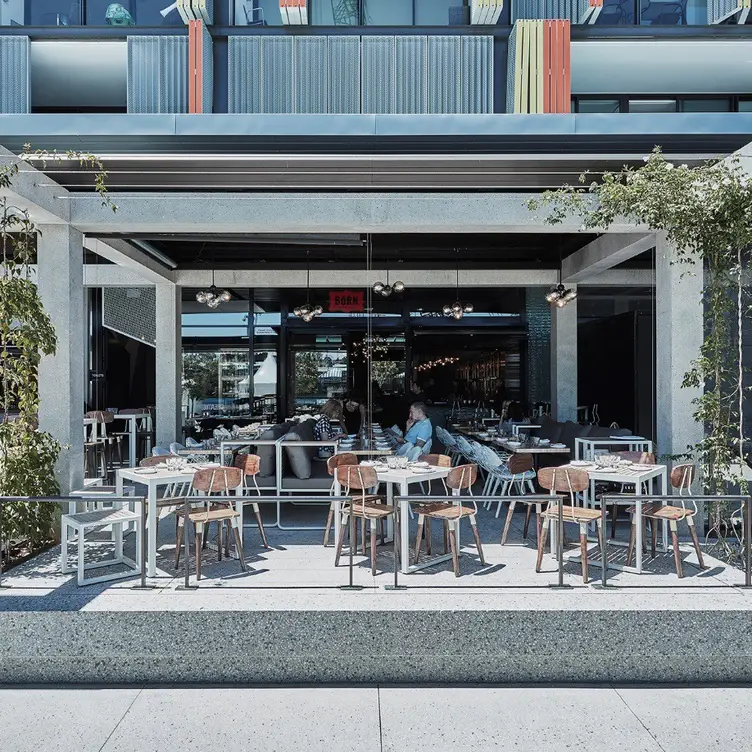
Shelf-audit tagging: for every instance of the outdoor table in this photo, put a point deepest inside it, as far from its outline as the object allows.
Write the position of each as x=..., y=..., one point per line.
x=627, y=476
x=162, y=477
x=403, y=478
x=584, y=448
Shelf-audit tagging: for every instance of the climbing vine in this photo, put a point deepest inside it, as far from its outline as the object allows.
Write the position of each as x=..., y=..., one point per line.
x=27, y=455
x=706, y=215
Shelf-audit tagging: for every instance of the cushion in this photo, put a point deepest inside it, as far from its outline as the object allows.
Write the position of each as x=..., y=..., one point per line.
x=300, y=457
x=319, y=480
x=268, y=453
x=572, y=431
x=549, y=429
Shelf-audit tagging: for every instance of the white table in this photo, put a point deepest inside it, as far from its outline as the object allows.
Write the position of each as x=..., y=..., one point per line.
x=162, y=477
x=584, y=448
x=132, y=420
x=403, y=478
x=627, y=476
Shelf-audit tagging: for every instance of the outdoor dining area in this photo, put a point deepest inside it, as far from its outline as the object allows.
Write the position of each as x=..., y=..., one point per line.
x=500, y=504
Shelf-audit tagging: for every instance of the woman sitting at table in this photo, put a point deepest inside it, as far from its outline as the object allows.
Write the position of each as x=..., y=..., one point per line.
x=418, y=431
x=323, y=430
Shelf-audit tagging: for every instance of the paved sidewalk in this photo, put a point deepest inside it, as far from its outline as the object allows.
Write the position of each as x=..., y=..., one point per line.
x=375, y=719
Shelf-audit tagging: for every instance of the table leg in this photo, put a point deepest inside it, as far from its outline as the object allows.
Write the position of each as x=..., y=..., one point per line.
x=337, y=490
x=132, y=461
x=638, y=531
x=664, y=492
x=151, y=524
x=404, y=524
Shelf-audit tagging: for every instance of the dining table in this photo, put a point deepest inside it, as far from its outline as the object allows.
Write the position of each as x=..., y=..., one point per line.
x=154, y=478
x=400, y=478
x=628, y=474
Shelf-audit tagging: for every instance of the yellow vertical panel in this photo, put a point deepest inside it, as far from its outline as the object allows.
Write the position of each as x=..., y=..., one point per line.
x=525, y=68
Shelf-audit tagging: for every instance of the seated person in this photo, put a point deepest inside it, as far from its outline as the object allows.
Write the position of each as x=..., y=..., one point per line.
x=418, y=431
x=323, y=430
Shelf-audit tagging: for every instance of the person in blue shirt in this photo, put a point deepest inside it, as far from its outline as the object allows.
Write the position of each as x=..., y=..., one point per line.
x=418, y=431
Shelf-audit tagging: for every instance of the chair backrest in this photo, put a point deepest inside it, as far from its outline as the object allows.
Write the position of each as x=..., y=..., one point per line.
x=682, y=477
x=445, y=437
x=158, y=451
x=640, y=458
x=151, y=461
x=437, y=460
x=356, y=477
x=520, y=463
x=217, y=480
x=464, y=446
x=248, y=464
x=339, y=460
x=462, y=477
x=176, y=448
x=563, y=480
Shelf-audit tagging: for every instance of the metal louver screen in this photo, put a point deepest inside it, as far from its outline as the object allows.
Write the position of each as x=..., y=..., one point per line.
x=207, y=72
x=158, y=75
x=14, y=75
x=377, y=74
x=575, y=11
x=131, y=311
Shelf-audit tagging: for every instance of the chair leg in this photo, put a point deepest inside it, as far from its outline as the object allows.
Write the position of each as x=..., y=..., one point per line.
x=198, y=551
x=238, y=546
x=693, y=533
x=527, y=521
x=343, y=528
x=584, y=553
x=373, y=548
x=474, y=526
x=179, y=540
x=428, y=535
x=601, y=536
x=220, y=525
x=677, y=552
x=419, y=537
x=541, y=545
x=329, y=521
x=363, y=539
x=260, y=523
x=455, y=555
x=227, y=538
x=538, y=521
x=653, y=536
x=508, y=522
x=446, y=537
x=632, y=536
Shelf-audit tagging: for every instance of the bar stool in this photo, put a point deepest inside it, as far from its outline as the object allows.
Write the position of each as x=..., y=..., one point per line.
x=250, y=465
x=451, y=515
x=681, y=478
x=571, y=481
x=365, y=506
x=335, y=461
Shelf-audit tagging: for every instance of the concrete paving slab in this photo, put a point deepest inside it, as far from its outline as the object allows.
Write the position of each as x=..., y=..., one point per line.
x=509, y=718
x=61, y=720
x=688, y=719
x=312, y=719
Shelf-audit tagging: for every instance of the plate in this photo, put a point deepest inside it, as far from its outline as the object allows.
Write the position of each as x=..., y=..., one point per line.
x=558, y=446
x=146, y=470
x=369, y=463
x=642, y=467
x=606, y=470
x=627, y=438
x=580, y=463
x=420, y=464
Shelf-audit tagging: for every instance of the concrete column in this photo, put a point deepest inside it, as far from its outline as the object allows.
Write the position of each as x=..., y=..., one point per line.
x=564, y=362
x=168, y=365
x=61, y=376
x=679, y=335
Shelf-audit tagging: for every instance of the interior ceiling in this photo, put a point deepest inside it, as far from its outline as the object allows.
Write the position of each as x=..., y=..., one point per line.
x=424, y=251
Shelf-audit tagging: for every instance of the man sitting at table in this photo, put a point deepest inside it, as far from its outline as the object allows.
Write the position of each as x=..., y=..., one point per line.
x=418, y=430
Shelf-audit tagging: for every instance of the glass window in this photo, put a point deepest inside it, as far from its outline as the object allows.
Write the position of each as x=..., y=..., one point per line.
x=388, y=12
x=617, y=13
x=598, y=105
x=319, y=375
x=706, y=105
x=335, y=13
x=258, y=13
x=745, y=105
x=652, y=105
x=215, y=382
x=438, y=13
x=664, y=13
x=131, y=13
x=46, y=13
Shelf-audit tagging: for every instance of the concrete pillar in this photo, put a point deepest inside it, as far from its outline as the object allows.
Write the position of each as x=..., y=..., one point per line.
x=168, y=365
x=679, y=335
x=61, y=376
x=564, y=362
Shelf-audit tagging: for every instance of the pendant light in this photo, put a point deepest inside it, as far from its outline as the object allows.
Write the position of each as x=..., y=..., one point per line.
x=213, y=297
x=559, y=295
x=307, y=311
x=386, y=289
x=457, y=309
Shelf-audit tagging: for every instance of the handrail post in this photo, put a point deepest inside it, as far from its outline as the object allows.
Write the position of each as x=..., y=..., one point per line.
x=351, y=563
x=560, y=542
x=604, y=558
x=396, y=535
x=748, y=544
x=142, y=583
x=187, y=552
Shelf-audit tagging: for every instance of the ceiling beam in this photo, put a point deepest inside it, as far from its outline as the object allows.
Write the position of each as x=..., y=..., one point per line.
x=122, y=253
x=605, y=252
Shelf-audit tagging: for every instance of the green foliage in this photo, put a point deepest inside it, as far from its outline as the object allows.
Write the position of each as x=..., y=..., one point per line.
x=706, y=215
x=27, y=455
x=201, y=375
x=307, y=373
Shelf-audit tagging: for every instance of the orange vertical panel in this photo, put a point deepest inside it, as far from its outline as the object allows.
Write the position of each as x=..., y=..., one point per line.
x=553, y=66
x=191, y=67
x=548, y=93
x=561, y=105
x=567, y=60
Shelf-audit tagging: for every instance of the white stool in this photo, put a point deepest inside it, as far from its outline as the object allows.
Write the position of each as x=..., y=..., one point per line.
x=110, y=516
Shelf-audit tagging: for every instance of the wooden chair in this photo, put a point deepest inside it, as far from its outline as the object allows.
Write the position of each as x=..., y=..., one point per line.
x=519, y=466
x=335, y=461
x=681, y=478
x=152, y=461
x=250, y=465
x=461, y=478
x=570, y=481
x=215, y=480
x=436, y=460
x=363, y=505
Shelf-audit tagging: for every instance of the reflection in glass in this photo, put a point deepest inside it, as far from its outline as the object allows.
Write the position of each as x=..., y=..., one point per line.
x=215, y=382
x=617, y=13
x=318, y=375
x=258, y=13
x=652, y=105
x=706, y=105
x=663, y=12
x=598, y=105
